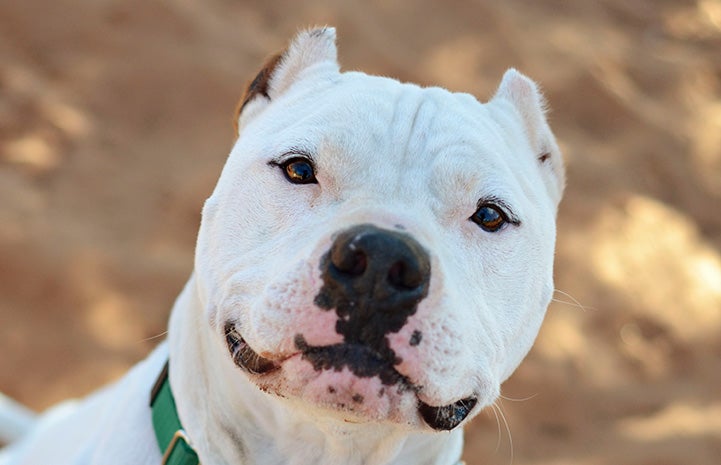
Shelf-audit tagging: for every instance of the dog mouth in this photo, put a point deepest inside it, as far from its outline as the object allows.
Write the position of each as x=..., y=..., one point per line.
x=244, y=356
x=363, y=361
x=446, y=417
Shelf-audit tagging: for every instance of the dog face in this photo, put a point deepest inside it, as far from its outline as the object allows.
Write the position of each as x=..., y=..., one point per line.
x=377, y=251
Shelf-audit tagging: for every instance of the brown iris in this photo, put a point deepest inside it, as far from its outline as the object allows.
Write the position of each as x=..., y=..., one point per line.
x=299, y=171
x=489, y=217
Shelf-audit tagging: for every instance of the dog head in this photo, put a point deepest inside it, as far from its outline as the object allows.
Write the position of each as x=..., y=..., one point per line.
x=377, y=251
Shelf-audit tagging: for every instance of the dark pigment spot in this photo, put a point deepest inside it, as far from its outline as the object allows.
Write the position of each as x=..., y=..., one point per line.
x=416, y=338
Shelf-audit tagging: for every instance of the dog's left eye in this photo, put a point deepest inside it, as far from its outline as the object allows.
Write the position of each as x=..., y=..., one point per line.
x=299, y=171
x=489, y=217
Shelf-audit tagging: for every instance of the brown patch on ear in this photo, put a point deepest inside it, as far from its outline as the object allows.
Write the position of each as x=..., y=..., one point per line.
x=259, y=85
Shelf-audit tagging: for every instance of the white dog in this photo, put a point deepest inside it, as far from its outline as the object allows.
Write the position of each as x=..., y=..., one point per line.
x=374, y=262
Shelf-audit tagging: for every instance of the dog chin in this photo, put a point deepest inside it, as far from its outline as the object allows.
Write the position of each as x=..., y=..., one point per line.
x=342, y=394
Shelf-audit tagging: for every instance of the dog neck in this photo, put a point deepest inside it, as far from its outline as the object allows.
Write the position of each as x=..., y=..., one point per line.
x=230, y=421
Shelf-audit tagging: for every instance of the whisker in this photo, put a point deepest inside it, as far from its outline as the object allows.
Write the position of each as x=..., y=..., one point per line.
x=498, y=428
x=517, y=400
x=573, y=303
x=508, y=429
x=163, y=334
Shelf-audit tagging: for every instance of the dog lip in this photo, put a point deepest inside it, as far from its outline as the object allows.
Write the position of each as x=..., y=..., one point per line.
x=446, y=417
x=244, y=356
x=360, y=359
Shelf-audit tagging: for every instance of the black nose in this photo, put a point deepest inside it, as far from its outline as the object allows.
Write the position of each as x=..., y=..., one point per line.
x=374, y=278
x=388, y=266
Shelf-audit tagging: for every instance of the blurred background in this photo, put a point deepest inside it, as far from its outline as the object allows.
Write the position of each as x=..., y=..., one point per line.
x=116, y=118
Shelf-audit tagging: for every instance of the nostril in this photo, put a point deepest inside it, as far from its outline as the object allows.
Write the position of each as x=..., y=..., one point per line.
x=395, y=274
x=403, y=276
x=351, y=262
x=359, y=262
x=398, y=276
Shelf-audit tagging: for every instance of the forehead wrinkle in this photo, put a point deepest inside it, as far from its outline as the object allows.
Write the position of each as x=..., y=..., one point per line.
x=423, y=119
x=391, y=122
x=440, y=126
x=466, y=171
x=409, y=133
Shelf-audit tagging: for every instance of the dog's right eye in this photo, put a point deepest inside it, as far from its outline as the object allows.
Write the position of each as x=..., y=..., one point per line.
x=299, y=170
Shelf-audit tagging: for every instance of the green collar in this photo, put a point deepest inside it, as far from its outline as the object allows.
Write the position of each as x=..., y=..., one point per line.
x=171, y=437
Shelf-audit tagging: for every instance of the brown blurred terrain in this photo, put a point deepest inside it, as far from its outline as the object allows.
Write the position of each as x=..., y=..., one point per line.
x=115, y=119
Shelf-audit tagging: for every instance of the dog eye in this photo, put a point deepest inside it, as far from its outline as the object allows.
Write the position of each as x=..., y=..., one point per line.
x=299, y=171
x=489, y=217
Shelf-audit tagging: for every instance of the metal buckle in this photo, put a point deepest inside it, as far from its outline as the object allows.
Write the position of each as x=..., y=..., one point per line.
x=178, y=436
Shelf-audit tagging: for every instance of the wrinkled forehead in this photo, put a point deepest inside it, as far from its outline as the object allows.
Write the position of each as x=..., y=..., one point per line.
x=371, y=121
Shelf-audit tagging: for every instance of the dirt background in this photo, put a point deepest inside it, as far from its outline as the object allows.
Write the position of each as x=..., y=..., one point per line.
x=115, y=120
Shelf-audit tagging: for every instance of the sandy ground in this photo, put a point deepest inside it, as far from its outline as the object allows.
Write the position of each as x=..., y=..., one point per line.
x=115, y=119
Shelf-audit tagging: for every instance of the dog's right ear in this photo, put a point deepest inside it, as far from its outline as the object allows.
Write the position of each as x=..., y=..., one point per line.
x=308, y=48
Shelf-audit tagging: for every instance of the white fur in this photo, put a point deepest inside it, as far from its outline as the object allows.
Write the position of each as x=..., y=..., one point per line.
x=386, y=153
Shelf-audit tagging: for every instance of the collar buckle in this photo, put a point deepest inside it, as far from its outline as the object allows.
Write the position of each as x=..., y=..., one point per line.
x=181, y=440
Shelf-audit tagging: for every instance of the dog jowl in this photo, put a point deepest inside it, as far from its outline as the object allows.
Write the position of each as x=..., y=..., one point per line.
x=376, y=251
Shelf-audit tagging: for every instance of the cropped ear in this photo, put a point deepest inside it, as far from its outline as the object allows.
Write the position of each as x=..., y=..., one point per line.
x=308, y=48
x=523, y=94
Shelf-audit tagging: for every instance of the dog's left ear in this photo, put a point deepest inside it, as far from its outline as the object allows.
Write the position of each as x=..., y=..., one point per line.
x=308, y=49
x=523, y=94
